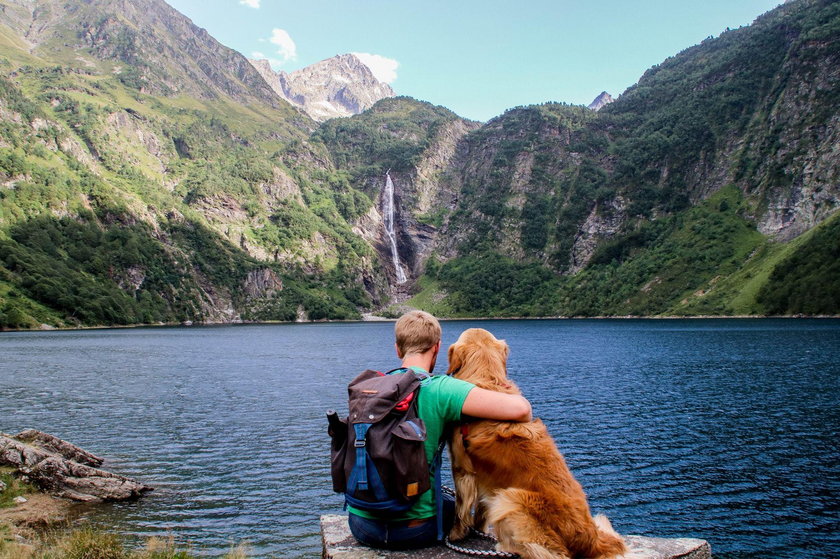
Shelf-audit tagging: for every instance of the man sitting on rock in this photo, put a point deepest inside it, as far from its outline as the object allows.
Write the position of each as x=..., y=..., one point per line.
x=441, y=400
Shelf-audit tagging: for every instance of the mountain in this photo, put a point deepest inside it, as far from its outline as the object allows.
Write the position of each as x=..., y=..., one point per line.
x=339, y=86
x=690, y=194
x=149, y=174
x=148, y=44
x=601, y=101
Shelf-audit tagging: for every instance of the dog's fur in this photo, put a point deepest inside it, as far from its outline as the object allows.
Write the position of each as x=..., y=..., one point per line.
x=510, y=475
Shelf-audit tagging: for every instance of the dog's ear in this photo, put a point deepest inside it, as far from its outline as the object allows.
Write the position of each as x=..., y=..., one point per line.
x=514, y=430
x=454, y=357
x=502, y=345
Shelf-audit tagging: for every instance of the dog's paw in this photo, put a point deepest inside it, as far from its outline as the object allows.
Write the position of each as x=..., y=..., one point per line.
x=458, y=532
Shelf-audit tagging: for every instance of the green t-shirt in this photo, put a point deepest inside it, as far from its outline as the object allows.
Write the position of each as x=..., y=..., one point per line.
x=439, y=402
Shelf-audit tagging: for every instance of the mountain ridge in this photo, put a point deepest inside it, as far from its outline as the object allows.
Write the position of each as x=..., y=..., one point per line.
x=602, y=100
x=160, y=49
x=166, y=192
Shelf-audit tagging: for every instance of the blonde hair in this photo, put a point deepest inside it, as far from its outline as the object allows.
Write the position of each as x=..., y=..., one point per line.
x=416, y=332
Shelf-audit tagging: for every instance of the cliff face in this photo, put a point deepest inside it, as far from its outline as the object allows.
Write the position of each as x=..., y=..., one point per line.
x=790, y=154
x=571, y=190
x=757, y=107
x=339, y=86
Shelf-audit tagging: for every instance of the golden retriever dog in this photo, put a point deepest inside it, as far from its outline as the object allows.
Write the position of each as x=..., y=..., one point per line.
x=510, y=475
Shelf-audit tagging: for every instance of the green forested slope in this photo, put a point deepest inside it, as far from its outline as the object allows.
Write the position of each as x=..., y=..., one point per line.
x=120, y=207
x=146, y=177
x=685, y=196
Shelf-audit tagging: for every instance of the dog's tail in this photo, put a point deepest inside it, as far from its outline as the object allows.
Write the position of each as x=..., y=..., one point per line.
x=609, y=544
x=530, y=525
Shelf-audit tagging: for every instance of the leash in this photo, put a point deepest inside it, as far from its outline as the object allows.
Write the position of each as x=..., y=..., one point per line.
x=475, y=552
x=479, y=552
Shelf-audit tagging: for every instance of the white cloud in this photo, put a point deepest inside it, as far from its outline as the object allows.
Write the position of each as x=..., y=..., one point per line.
x=384, y=69
x=287, y=48
x=251, y=3
x=257, y=55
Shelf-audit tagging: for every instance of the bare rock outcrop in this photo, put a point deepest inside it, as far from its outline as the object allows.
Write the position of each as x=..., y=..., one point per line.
x=601, y=101
x=65, y=470
x=339, y=86
x=263, y=282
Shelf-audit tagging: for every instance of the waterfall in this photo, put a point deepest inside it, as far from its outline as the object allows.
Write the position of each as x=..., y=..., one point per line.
x=388, y=218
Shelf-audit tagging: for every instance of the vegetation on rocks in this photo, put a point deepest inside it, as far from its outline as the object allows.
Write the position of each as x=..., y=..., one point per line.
x=125, y=208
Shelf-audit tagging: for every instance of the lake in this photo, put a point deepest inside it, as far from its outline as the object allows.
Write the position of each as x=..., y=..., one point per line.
x=725, y=430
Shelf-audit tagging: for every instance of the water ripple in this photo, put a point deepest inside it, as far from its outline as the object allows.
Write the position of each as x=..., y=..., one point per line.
x=724, y=430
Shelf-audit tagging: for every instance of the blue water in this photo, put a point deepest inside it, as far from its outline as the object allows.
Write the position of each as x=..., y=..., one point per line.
x=725, y=430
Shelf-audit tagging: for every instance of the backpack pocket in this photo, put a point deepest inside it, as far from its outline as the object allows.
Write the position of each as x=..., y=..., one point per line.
x=338, y=451
x=411, y=468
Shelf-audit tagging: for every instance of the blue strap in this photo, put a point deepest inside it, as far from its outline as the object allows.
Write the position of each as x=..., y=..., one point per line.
x=360, y=467
x=415, y=427
x=418, y=371
x=365, y=477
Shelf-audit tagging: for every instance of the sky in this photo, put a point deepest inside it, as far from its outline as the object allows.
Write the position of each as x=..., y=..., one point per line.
x=477, y=58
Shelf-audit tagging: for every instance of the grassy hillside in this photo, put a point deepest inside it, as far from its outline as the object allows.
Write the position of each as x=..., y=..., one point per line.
x=120, y=207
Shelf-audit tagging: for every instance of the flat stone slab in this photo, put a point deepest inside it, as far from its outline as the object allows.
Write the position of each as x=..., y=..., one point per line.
x=339, y=543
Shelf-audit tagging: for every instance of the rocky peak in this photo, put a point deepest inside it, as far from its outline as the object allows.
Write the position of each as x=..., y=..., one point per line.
x=601, y=101
x=339, y=86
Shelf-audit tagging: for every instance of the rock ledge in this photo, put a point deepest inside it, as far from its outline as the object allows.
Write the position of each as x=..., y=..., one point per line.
x=339, y=544
x=63, y=469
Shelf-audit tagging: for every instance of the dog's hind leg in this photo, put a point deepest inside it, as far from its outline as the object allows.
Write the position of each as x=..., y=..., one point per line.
x=466, y=487
x=518, y=531
x=466, y=500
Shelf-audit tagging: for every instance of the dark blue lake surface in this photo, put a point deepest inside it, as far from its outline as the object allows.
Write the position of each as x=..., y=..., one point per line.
x=725, y=430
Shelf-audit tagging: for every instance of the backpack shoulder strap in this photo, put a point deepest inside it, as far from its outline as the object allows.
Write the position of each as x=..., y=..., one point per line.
x=437, y=466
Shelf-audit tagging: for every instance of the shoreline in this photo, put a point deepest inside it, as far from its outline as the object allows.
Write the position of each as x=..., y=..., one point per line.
x=367, y=317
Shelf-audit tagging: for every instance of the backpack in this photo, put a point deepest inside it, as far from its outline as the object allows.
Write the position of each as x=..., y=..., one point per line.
x=378, y=458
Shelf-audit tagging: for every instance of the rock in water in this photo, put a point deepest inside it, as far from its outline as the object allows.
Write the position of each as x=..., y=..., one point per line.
x=65, y=470
x=55, y=445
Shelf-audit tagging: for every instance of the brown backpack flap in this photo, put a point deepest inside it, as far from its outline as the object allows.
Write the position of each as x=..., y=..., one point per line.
x=373, y=395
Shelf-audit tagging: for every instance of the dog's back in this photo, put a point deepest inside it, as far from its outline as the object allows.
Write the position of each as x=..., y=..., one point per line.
x=529, y=495
x=533, y=496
